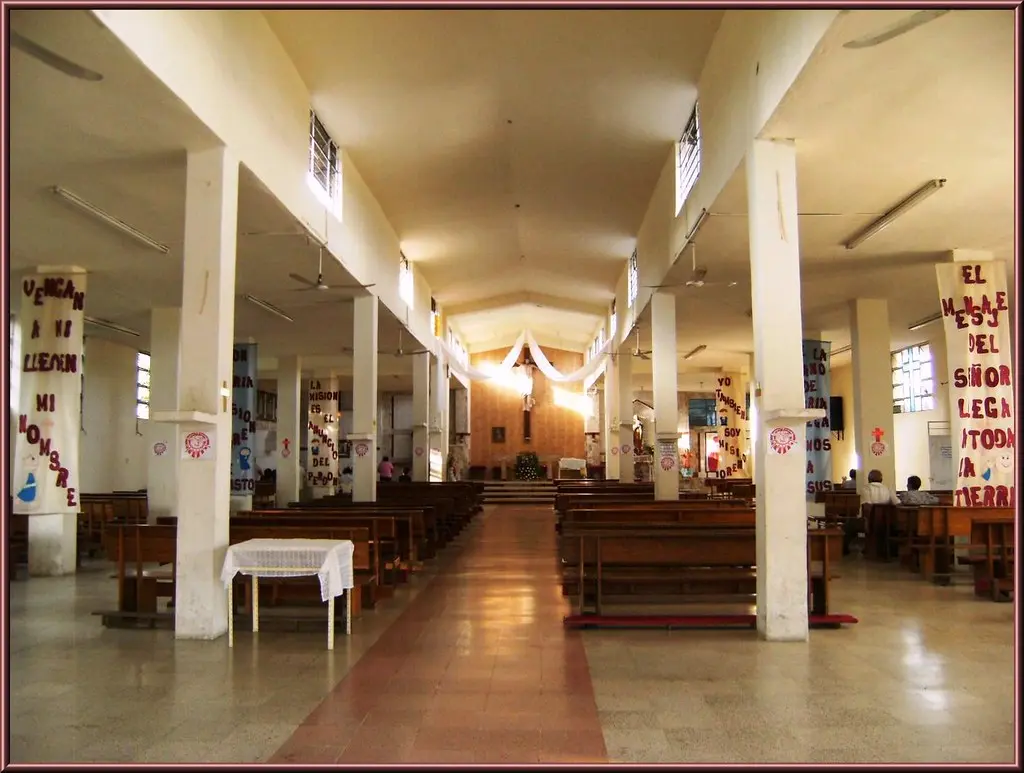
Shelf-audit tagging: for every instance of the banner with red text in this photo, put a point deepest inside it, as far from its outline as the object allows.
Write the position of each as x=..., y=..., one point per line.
x=324, y=419
x=731, y=399
x=45, y=460
x=976, y=318
x=243, y=419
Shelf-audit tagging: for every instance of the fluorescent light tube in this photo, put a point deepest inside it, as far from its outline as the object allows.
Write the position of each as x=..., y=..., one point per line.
x=269, y=307
x=697, y=225
x=694, y=352
x=109, y=219
x=111, y=326
x=925, y=322
x=841, y=350
x=887, y=219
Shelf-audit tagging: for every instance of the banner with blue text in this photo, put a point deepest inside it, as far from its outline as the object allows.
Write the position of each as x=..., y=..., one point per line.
x=817, y=391
x=243, y=420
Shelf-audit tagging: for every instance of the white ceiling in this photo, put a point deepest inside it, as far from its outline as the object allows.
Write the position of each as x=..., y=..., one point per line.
x=421, y=101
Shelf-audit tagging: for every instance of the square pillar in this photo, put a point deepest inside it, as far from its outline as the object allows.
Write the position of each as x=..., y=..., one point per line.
x=421, y=417
x=204, y=392
x=610, y=425
x=665, y=369
x=364, y=399
x=624, y=431
x=781, y=431
x=289, y=390
x=872, y=390
x=46, y=480
x=439, y=413
x=164, y=367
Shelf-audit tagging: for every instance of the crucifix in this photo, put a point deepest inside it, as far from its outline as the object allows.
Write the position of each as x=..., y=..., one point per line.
x=877, y=434
x=525, y=370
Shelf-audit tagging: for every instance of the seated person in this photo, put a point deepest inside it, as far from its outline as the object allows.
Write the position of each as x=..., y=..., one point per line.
x=852, y=482
x=876, y=492
x=914, y=496
x=346, y=480
x=405, y=477
x=386, y=470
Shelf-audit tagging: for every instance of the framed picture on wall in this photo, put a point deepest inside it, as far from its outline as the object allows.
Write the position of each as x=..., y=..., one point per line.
x=345, y=449
x=497, y=434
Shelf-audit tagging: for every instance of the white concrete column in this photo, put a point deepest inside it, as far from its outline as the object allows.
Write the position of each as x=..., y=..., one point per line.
x=204, y=392
x=439, y=413
x=872, y=390
x=624, y=431
x=420, y=417
x=610, y=426
x=665, y=369
x=364, y=399
x=289, y=418
x=46, y=469
x=164, y=367
x=781, y=417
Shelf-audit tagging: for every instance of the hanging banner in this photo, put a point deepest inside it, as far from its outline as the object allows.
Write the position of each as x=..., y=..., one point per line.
x=322, y=452
x=730, y=406
x=243, y=420
x=976, y=319
x=46, y=450
x=817, y=392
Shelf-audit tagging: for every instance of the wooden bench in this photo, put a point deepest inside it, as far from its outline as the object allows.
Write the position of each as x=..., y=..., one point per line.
x=137, y=547
x=631, y=509
x=932, y=530
x=660, y=562
x=993, y=556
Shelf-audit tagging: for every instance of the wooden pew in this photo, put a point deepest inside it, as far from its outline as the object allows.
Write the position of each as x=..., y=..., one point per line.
x=137, y=547
x=933, y=529
x=631, y=509
x=993, y=556
x=696, y=561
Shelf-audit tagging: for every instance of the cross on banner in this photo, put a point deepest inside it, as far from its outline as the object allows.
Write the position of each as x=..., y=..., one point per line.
x=877, y=433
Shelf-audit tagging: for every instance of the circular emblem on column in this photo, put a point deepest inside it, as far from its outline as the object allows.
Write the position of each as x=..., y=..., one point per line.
x=419, y=451
x=197, y=444
x=625, y=448
x=781, y=439
x=286, y=452
x=667, y=463
x=159, y=449
x=878, y=448
x=362, y=449
x=615, y=450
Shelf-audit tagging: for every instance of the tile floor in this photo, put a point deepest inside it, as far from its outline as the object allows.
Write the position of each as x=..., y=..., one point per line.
x=478, y=669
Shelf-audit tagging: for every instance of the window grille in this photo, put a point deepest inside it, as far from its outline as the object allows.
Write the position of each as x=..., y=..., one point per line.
x=913, y=379
x=633, y=280
x=687, y=159
x=324, y=161
x=142, y=386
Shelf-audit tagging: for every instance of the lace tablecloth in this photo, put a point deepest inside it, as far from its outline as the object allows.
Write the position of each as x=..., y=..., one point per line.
x=330, y=560
x=573, y=464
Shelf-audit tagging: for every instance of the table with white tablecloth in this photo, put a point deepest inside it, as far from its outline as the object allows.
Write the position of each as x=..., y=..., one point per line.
x=578, y=466
x=330, y=560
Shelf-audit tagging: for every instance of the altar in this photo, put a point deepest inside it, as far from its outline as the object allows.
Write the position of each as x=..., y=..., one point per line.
x=572, y=469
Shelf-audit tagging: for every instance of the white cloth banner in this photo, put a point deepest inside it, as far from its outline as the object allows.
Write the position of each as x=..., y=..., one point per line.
x=731, y=404
x=471, y=373
x=330, y=560
x=595, y=364
x=45, y=460
x=977, y=321
x=322, y=455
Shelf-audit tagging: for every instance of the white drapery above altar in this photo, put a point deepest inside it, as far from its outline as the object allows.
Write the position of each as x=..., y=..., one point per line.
x=504, y=370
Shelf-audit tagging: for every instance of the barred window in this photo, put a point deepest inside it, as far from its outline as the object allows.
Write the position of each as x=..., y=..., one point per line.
x=913, y=380
x=324, y=165
x=633, y=279
x=687, y=160
x=142, y=386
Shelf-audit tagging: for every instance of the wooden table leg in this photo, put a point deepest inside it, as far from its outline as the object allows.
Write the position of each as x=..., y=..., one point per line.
x=231, y=613
x=348, y=611
x=255, y=604
x=330, y=623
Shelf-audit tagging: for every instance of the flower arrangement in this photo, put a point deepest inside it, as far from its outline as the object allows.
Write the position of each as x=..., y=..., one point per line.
x=527, y=466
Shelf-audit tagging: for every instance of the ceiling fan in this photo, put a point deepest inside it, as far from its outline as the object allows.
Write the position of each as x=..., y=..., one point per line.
x=400, y=352
x=49, y=58
x=319, y=283
x=697, y=275
x=638, y=352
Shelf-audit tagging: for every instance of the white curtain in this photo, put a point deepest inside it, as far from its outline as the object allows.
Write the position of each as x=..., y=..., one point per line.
x=472, y=373
x=589, y=369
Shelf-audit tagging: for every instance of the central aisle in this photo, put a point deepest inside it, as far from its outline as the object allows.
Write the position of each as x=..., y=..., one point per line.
x=477, y=669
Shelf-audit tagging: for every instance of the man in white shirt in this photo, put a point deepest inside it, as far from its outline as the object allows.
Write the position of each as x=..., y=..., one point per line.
x=876, y=492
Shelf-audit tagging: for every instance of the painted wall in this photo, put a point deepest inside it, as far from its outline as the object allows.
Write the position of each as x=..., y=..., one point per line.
x=112, y=450
x=554, y=429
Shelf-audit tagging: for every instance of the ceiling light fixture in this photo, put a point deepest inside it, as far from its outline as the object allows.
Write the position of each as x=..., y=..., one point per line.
x=697, y=225
x=268, y=307
x=887, y=219
x=111, y=326
x=694, y=352
x=901, y=27
x=109, y=219
x=925, y=322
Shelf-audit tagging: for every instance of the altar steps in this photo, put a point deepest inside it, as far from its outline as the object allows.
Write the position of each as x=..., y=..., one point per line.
x=519, y=492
